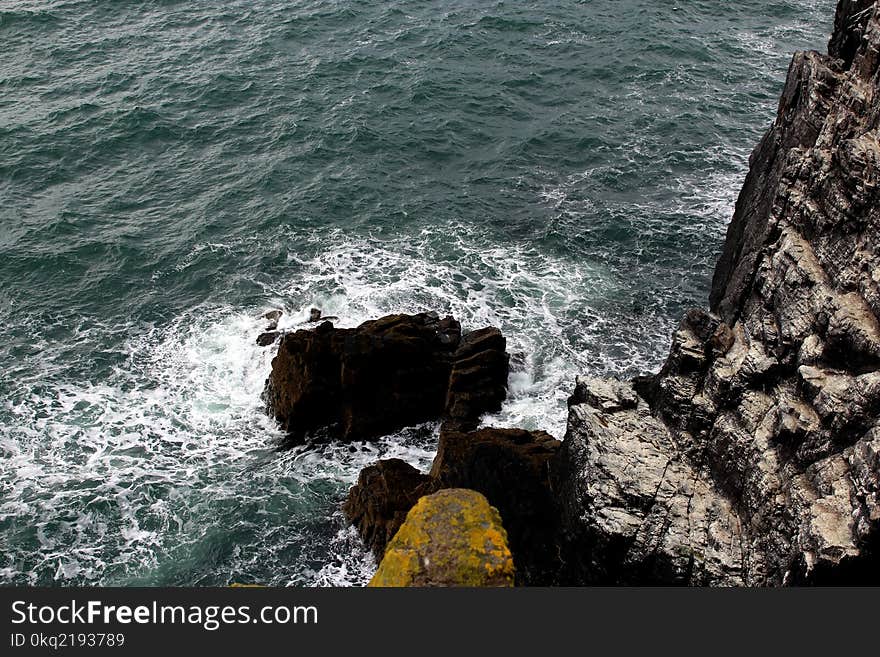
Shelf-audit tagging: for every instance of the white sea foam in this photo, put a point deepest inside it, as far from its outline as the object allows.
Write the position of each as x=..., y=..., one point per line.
x=114, y=479
x=118, y=478
x=525, y=292
x=138, y=468
x=161, y=470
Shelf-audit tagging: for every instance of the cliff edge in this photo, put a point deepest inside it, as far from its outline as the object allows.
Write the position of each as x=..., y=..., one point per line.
x=753, y=456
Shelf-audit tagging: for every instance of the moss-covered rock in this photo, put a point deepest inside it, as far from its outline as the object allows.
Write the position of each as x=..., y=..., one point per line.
x=451, y=538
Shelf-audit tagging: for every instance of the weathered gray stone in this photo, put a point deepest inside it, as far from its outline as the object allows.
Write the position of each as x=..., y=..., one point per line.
x=752, y=457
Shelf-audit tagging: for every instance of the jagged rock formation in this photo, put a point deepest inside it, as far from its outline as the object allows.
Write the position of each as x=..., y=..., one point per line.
x=385, y=492
x=450, y=538
x=364, y=382
x=386, y=374
x=478, y=381
x=849, y=26
x=753, y=457
x=511, y=467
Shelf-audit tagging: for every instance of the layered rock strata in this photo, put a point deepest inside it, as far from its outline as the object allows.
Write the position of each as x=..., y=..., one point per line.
x=478, y=380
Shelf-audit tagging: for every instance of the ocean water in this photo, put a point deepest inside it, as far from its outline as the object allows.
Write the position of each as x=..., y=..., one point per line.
x=171, y=170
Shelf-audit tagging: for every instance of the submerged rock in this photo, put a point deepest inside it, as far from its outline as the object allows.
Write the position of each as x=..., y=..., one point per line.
x=386, y=374
x=451, y=538
x=753, y=457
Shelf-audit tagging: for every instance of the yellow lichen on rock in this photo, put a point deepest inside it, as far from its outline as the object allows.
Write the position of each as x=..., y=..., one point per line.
x=451, y=538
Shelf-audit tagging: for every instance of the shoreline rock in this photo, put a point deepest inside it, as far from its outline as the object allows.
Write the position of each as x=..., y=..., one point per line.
x=386, y=374
x=753, y=456
x=478, y=380
x=450, y=538
x=385, y=492
x=510, y=467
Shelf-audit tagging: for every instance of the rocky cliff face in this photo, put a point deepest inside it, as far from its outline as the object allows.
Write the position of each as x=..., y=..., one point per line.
x=753, y=457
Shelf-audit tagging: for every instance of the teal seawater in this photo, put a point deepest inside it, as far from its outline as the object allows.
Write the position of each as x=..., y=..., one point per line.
x=171, y=170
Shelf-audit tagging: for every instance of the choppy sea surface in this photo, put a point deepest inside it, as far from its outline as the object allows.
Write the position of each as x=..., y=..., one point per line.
x=171, y=170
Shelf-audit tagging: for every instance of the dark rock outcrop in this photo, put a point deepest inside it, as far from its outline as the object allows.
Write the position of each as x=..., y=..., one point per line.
x=386, y=374
x=365, y=382
x=511, y=467
x=385, y=492
x=753, y=457
x=271, y=333
x=267, y=338
x=849, y=27
x=478, y=381
x=316, y=315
